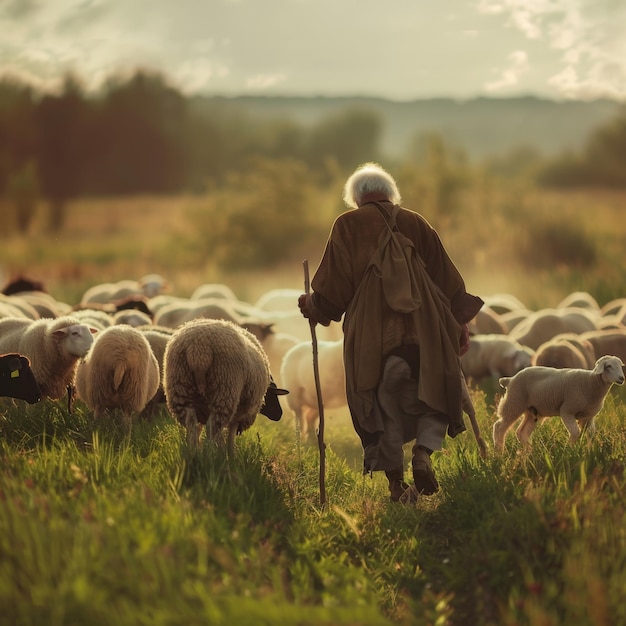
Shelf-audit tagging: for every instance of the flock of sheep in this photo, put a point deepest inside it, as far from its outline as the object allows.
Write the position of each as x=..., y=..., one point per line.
x=215, y=360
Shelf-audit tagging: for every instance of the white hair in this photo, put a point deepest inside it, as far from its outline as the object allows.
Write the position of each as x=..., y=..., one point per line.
x=370, y=178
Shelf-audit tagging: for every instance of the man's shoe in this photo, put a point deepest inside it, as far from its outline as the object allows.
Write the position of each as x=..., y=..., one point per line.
x=402, y=492
x=425, y=482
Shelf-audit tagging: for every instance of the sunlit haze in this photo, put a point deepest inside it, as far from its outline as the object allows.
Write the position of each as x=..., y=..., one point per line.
x=401, y=50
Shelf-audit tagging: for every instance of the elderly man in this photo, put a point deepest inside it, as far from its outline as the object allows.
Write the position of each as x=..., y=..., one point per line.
x=406, y=313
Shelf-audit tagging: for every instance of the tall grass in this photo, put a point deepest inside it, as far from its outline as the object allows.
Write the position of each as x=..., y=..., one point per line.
x=98, y=527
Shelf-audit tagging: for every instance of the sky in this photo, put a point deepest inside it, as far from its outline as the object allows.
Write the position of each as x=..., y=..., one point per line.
x=394, y=49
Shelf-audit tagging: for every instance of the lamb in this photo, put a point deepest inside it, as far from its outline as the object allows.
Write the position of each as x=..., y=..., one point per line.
x=296, y=374
x=119, y=372
x=537, y=392
x=53, y=346
x=17, y=379
x=494, y=355
x=217, y=374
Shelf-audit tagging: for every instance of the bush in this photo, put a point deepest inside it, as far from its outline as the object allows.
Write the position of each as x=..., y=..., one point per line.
x=550, y=243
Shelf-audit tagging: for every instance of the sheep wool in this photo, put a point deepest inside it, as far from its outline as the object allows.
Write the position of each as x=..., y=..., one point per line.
x=537, y=392
x=120, y=372
x=298, y=376
x=53, y=346
x=215, y=374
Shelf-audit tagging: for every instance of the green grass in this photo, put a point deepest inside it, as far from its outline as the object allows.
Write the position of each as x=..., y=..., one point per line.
x=100, y=528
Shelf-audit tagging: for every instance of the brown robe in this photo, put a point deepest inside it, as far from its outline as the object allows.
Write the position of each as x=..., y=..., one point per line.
x=395, y=288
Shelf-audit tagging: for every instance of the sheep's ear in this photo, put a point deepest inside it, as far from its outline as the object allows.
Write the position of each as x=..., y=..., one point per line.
x=59, y=333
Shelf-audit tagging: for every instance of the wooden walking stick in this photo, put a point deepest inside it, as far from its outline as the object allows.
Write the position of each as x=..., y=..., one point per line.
x=320, y=403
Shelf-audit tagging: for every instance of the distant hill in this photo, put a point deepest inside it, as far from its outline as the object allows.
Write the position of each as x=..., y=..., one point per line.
x=481, y=126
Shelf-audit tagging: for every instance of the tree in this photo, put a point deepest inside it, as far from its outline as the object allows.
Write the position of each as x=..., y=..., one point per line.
x=138, y=134
x=349, y=138
x=61, y=155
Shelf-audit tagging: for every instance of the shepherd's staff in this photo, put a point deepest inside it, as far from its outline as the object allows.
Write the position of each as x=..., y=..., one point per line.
x=320, y=403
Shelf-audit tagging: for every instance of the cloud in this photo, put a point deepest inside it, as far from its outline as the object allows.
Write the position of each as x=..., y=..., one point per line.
x=263, y=81
x=510, y=77
x=587, y=34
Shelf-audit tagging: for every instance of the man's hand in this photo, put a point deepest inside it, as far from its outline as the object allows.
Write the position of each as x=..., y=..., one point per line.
x=305, y=304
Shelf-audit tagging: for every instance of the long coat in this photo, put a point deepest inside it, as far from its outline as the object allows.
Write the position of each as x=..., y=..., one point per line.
x=386, y=269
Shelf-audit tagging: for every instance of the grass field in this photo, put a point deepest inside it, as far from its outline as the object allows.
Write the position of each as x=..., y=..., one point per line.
x=98, y=528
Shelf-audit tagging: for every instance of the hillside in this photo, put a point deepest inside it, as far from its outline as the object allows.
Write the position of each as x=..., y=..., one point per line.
x=481, y=126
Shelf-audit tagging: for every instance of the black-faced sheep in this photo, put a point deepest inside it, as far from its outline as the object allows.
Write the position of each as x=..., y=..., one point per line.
x=119, y=372
x=216, y=373
x=17, y=379
x=53, y=347
x=537, y=392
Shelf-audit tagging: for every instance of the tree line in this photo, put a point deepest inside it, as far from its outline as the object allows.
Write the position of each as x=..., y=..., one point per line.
x=141, y=135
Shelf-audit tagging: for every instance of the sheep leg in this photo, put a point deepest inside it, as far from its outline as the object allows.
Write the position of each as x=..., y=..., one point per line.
x=309, y=419
x=232, y=433
x=572, y=426
x=192, y=427
x=526, y=427
x=501, y=427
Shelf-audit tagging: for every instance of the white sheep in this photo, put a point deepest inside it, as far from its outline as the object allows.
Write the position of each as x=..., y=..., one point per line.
x=216, y=373
x=94, y=317
x=580, y=299
x=494, y=355
x=14, y=306
x=120, y=372
x=297, y=375
x=566, y=350
x=213, y=290
x=177, y=314
x=149, y=285
x=131, y=317
x=157, y=337
x=281, y=299
x=608, y=342
x=543, y=325
x=503, y=303
x=537, y=392
x=487, y=322
x=53, y=346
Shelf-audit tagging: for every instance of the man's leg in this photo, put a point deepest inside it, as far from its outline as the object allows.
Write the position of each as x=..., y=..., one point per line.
x=391, y=453
x=430, y=433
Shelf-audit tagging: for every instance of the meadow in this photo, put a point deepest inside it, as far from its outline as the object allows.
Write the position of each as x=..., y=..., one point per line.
x=100, y=528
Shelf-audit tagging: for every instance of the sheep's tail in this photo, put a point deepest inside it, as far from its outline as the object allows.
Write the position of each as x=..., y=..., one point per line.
x=118, y=374
x=504, y=382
